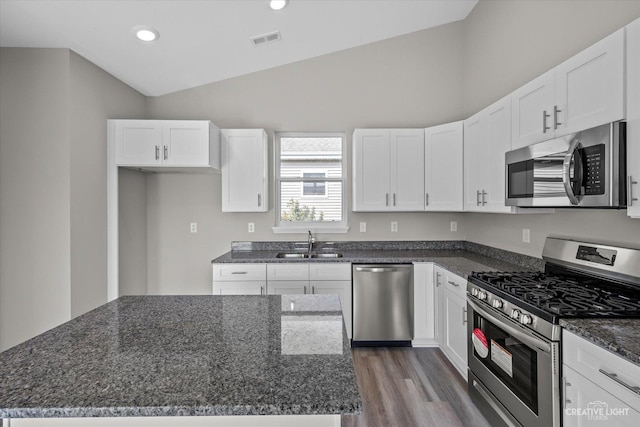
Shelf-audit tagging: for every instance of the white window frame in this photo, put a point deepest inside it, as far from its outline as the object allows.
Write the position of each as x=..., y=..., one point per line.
x=313, y=226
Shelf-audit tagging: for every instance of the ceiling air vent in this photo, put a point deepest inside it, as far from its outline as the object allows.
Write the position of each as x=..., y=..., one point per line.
x=266, y=38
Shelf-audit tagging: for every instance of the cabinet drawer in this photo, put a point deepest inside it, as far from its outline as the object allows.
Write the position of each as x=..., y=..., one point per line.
x=599, y=365
x=297, y=271
x=239, y=272
x=455, y=284
x=330, y=271
x=240, y=288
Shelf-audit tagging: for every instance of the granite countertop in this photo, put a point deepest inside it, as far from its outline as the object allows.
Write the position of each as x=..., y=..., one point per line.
x=619, y=336
x=459, y=257
x=186, y=355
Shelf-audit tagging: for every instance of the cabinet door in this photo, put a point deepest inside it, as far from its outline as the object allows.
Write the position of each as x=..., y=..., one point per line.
x=138, y=142
x=342, y=288
x=590, y=86
x=284, y=287
x=633, y=119
x=438, y=282
x=244, y=170
x=330, y=271
x=532, y=111
x=581, y=395
x=407, y=170
x=371, y=170
x=498, y=142
x=455, y=330
x=185, y=143
x=424, y=314
x=443, y=167
x=475, y=129
x=239, y=288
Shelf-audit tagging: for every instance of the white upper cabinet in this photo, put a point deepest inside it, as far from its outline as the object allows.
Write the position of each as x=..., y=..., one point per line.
x=486, y=140
x=532, y=106
x=245, y=169
x=585, y=91
x=388, y=170
x=633, y=119
x=166, y=143
x=443, y=167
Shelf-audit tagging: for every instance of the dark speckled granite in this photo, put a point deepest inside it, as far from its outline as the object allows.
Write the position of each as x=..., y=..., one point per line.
x=619, y=336
x=186, y=355
x=459, y=257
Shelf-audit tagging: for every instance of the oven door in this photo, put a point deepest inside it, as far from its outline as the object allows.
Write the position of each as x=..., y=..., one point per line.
x=514, y=371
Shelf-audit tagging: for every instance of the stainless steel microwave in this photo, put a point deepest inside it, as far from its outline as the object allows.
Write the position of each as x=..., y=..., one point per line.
x=584, y=169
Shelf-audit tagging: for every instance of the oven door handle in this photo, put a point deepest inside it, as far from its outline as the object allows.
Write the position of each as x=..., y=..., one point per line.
x=527, y=339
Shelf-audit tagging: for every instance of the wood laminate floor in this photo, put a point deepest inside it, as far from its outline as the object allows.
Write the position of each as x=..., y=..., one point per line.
x=406, y=387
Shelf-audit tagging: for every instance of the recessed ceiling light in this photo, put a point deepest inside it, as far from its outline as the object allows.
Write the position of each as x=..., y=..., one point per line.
x=277, y=4
x=146, y=34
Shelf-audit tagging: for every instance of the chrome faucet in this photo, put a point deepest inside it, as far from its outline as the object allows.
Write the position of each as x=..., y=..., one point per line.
x=311, y=240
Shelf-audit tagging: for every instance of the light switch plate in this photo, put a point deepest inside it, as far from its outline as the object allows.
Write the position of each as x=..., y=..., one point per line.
x=363, y=227
x=526, y=235
x=394, y=226
x=454, y=225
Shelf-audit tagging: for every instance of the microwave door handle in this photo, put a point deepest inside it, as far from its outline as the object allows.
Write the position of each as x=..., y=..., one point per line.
x=566, y=171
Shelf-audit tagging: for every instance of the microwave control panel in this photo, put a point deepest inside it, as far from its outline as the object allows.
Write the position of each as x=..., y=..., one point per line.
x=593, y=159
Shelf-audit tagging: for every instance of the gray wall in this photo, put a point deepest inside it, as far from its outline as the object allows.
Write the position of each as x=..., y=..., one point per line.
x=409, y=81
x=422, y=79
x=53, y=112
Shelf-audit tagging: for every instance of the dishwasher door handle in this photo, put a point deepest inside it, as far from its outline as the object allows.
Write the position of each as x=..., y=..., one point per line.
x=377, y=269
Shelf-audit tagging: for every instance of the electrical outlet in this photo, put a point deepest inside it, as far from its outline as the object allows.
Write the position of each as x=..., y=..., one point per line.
x=193, y=227
x=394, y=226
x=526, y=235
x=363, y=227
x=454, y=225
x=251, y=227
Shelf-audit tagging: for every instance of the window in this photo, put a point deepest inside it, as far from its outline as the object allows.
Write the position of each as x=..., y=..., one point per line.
x=310, y=182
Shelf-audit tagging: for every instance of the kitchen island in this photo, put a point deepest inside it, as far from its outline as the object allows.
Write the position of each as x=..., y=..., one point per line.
x=210, y=360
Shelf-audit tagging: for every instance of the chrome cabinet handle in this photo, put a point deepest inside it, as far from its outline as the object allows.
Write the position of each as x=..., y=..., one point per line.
x=305, y=289
x=477, y=197
x=556, y=110
x=259, y=199
x=313, y=289
x=157, y=152
x=377, y=269
x=394, y=199
x=633, y=388
x=484, y=193
x=166, y=152
x=426, y=199
x=565, y=384
x=545, y=128
x=438, y=279
x=261, y=290
x=457, y=285
x=238, y=272
x=386, y=199
x=464, y=315
x=630, y=198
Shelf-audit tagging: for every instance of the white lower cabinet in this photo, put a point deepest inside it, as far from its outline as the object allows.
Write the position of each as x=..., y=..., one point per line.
x=599, y=387
x=453, y=318
x=424, y=306
x=239, y=279
x=287, y=278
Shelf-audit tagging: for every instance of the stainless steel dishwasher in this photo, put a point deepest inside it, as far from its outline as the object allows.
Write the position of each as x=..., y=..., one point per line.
x=382, y=304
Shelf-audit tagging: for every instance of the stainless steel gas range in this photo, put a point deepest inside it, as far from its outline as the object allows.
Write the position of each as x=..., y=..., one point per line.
x=514, y=332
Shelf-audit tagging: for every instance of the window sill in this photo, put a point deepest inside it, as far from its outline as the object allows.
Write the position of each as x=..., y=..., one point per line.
x=334, y=229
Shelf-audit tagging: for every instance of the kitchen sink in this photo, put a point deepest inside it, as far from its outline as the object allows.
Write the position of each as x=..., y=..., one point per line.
x=292, y=255
x=327, y=255
x=306, y=255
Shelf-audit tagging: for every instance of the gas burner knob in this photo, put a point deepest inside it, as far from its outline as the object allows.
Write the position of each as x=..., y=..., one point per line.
x=497, y=303
x=515, y=314
x=482, y=295
x=525, y=319
x=474, y=292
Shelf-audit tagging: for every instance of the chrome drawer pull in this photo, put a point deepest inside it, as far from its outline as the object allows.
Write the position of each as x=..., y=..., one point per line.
x=457, y=285
x=239, y=272
x=614, y=377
